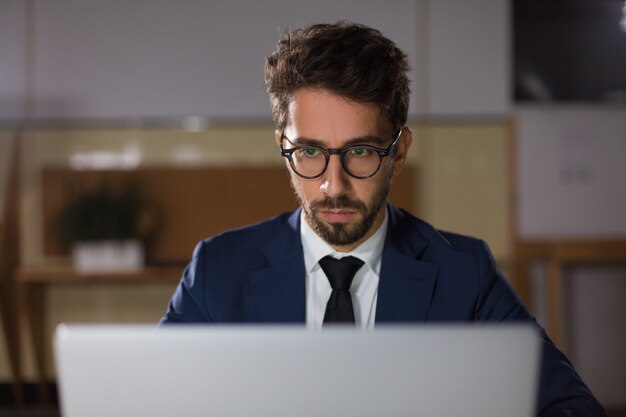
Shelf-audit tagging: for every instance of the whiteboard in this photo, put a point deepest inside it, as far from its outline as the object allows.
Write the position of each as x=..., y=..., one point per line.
x=161, y=58
x=571, y=171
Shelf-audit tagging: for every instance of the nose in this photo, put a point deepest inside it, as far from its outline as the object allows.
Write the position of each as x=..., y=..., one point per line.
x=335, y=181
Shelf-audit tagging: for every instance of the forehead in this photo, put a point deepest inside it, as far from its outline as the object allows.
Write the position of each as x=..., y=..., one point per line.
x=323, y=115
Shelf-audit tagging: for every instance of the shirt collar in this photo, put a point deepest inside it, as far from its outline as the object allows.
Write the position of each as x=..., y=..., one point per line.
x=315, y=248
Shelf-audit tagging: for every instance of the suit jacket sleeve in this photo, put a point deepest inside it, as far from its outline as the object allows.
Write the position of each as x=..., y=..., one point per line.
x=562, y=392
x=187, y=303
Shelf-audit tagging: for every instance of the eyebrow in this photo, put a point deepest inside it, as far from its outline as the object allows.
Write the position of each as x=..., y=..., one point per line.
x=360, y=140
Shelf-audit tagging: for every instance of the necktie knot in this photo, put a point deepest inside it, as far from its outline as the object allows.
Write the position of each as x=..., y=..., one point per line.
x=340, y=273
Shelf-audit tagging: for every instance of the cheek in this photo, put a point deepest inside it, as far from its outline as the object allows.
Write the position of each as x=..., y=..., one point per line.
x=371, y=188
x=305, y=189
x=365, y=189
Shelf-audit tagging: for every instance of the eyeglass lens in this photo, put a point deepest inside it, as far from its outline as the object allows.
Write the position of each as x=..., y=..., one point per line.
x=359, y=161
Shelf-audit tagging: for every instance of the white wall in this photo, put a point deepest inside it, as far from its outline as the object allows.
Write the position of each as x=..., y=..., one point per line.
x=469, y=47
x=572, y=171
x=162, y=59
x=13, y=73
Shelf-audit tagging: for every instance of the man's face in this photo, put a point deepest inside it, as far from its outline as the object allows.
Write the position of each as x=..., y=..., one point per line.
x=344, y=211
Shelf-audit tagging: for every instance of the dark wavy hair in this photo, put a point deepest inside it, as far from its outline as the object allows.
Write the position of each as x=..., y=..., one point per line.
x=348, y=59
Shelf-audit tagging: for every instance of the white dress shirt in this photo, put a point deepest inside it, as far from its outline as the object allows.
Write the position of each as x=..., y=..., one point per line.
x=364, y=288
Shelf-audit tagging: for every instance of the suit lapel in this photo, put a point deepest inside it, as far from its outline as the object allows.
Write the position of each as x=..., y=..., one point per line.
x=276, y=293
x=405, y=288
x=406, y=283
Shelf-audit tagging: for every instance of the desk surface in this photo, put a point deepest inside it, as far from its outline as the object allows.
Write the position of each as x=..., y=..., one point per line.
x=68, y=275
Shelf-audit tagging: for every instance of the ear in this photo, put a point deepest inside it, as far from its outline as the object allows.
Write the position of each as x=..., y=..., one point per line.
x=404, y=144
x=278, y=138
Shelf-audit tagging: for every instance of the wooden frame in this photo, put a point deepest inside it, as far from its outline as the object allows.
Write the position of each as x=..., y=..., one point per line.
x=9, y=261
x=557, y=254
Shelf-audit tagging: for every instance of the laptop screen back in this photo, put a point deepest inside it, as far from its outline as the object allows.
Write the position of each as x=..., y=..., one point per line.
x=193, y=371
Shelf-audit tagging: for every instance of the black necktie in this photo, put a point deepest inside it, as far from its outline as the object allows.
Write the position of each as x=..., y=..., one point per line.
x=340, y=273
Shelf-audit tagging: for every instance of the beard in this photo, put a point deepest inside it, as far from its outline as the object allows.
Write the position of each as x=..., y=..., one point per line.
x=342, y=234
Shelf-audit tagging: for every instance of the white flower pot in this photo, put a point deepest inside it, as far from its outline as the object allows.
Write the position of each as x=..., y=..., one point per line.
x=108, y=256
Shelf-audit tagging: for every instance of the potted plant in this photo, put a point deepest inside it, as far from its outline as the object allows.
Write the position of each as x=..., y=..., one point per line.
x=106, y=229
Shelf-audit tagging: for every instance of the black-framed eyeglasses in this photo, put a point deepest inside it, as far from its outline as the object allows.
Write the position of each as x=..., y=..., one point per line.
x=360, y=161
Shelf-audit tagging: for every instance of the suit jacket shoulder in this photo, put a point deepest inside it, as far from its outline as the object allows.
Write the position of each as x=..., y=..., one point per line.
x=238, y=276
x=440, y=244
x=452, y=277
x=248, y=244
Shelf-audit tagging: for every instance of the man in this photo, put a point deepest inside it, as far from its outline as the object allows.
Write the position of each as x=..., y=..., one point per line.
x=339, y=96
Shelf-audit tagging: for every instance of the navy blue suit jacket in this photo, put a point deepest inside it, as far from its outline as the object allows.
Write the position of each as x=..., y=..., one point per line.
x=256, y=275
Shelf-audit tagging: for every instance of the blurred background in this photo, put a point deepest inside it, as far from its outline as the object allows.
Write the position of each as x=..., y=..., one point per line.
x=150, y=117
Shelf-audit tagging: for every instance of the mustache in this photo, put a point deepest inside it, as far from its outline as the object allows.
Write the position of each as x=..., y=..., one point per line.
x=337, y=203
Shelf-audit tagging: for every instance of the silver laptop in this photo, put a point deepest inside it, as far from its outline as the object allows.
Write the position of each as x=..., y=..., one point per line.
x=218, y=371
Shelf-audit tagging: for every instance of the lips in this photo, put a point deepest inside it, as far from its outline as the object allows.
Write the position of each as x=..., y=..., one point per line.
x=338, y=216
x=338, y=210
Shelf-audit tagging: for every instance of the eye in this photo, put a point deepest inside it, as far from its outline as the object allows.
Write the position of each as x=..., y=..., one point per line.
x=360, y=151
x=310, y=151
